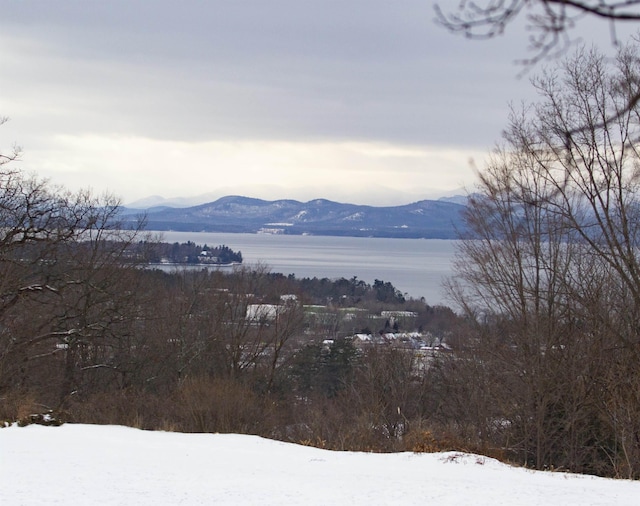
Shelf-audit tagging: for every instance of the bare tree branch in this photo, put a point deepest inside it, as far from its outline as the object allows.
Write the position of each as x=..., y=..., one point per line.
x=550, y=23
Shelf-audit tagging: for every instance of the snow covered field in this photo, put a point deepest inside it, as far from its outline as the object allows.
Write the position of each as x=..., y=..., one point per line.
x=108, y=465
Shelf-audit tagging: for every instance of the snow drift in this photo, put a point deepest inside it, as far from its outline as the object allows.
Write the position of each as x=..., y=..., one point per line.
x=109, y=465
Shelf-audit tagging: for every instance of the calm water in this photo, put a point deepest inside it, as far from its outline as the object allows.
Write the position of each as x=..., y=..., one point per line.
x=414, y=266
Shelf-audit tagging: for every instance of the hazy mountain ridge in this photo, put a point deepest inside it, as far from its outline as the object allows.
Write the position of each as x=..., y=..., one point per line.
x=423, y=219
x=376, y=196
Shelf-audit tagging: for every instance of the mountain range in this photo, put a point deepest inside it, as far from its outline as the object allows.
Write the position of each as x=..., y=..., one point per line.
x=432, y=219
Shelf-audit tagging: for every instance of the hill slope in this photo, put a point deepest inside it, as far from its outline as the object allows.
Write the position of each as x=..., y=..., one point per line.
x=108, y=465
x=425, y=219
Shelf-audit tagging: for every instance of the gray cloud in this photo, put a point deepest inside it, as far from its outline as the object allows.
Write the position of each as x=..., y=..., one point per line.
x=312, y=71
x=282, y=69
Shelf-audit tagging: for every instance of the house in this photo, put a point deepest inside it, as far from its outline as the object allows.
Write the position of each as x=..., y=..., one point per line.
x=262, y=312
x=204, y=257
x=270, y=312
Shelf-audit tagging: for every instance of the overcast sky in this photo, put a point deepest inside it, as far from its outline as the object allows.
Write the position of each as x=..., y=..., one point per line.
x=366, y=101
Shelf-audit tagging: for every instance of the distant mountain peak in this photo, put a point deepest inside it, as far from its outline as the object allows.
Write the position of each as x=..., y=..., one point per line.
x=234, y=213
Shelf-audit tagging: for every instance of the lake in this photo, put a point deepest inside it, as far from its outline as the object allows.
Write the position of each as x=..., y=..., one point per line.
x=416, y=267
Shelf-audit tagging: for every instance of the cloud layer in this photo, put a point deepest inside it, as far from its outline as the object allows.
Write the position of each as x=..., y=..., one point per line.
x=178, y=98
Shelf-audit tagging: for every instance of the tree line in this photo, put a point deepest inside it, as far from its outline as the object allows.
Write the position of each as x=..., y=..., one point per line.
x=187, y=253
x=550, y=275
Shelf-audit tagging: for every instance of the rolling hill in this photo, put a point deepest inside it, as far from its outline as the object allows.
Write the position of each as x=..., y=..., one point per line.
x=432, y=219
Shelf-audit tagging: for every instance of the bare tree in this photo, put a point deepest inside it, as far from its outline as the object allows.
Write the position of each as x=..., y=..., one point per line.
x=65, y=283
x=551, y=271
x=14, y=153
x=549, y=21
x=550, y=24
x=229, y=326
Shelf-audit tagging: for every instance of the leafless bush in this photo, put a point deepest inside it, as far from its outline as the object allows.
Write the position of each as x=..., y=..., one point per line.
x=220, y=405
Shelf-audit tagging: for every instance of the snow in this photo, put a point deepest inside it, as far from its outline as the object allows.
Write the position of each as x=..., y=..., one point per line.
x=110, y=465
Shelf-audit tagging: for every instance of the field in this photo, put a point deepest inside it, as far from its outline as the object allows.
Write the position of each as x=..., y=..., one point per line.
x=109, y=465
